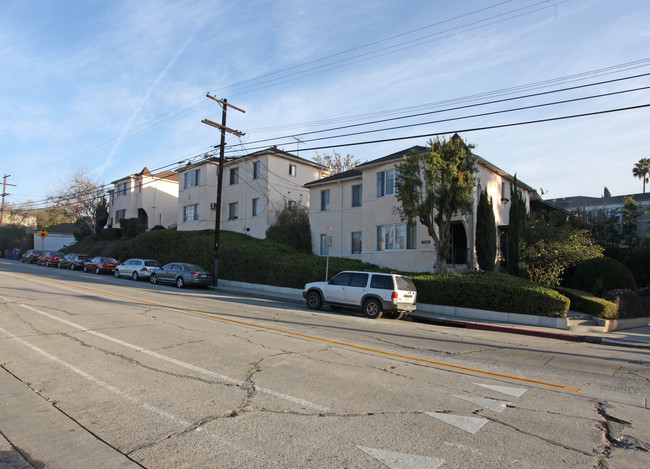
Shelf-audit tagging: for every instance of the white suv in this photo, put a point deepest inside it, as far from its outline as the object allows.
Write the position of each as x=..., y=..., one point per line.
x=372, y=293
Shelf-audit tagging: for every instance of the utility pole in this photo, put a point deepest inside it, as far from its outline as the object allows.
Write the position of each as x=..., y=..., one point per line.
x=222, y=160
x=4, y=194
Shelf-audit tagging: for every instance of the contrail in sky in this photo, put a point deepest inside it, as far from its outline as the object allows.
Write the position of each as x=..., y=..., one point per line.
x=142, y=101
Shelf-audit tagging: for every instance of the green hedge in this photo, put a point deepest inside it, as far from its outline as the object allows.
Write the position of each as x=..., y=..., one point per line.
x=490, y=291
x=246, y=259
x=584, y=302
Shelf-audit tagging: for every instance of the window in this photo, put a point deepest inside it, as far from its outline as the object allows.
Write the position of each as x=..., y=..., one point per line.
x=396, y=237
x=192, y=178
x=256, y=170
x=191, y=212
x=324, y=245
x=356, y=242
x=385, y=183
x=359, y=280
x=122, y=188
x=234, y=176
x=256, y=207
x=233, y=208
x=292, y=170
x=120, y=214
x=382, y=282
x=325, y=200
x=356, y=195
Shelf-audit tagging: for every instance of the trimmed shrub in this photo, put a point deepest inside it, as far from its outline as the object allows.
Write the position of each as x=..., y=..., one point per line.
x=584, y=302
x=601, y=274
x=628, y=302
x=490, y=291
x=131, y=227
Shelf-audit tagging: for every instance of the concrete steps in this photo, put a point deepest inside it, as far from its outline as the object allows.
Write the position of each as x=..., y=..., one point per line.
x=580, y=322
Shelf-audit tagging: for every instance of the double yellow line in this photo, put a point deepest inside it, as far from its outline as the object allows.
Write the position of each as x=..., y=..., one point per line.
x=327, y=341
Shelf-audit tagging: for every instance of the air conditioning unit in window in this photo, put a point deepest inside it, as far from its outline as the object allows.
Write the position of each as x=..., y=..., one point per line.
x=213, y=206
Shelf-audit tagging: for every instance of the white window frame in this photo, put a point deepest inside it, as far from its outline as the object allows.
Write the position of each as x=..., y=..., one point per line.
x=359, y=188
x=325, y=200
x=192, y=178
x=234, y=176
x=233, y=211
x=190, y=213
x=293, y=170
x=359, y=235
x=386, y=183
x=397, y=237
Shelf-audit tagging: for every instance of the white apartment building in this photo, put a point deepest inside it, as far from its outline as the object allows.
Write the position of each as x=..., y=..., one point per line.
x=151, y=198
x=354, y=214
x=255, y=187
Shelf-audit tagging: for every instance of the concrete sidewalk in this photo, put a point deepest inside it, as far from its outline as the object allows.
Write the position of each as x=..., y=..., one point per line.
x=491, y=321
x=34, y=433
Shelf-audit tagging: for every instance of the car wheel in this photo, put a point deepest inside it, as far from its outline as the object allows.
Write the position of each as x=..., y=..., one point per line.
x=71, y=266
x=97, y=271
x=134, y=276
x=180, y=282
x=47, y=263
x=372, y=309
x=314, y=300
x=153, y=279
x=58, y=265
x=85, y=269
x=116, y=273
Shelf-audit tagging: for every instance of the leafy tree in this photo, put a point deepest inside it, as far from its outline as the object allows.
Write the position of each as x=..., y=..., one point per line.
x=15, y=237
x=434, y=186
x=336, y=162
x=606, y=192
x=77, y=199
x=554, y=246
x=641, y=170
x=486, y=233
x=629, y=213
x=516, y=231
x=292, y=227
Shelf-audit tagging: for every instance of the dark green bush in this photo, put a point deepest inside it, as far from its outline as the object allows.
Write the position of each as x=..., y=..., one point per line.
x=584, y=302
x=110, y=234
x=131, y=227
x=15, y=237
x=490, y=291
x=602, y=274
x=637, y=259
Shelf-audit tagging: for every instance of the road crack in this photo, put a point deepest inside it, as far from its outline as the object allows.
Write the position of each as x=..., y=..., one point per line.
x=614, y=438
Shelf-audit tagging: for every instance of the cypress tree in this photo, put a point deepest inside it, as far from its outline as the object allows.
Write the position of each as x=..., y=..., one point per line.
x=486, y=233
x=516, y=227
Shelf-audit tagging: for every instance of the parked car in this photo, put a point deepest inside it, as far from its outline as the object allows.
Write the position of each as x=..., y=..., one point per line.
x=372, y=293
x=182, y=274
x=73, y=261
x=50, y=258
x=31, y=256
x=137, y=268
x=99, y=265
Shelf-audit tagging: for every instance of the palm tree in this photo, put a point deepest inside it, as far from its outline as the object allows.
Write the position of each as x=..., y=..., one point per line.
x=641, y=170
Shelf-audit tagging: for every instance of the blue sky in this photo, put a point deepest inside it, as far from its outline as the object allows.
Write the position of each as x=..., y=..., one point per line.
x=110, y=87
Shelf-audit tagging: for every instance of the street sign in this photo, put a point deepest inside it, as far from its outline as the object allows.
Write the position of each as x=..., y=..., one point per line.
x=43, y=234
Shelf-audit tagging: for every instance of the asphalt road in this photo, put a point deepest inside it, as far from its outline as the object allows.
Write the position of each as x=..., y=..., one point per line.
x=166, y=378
